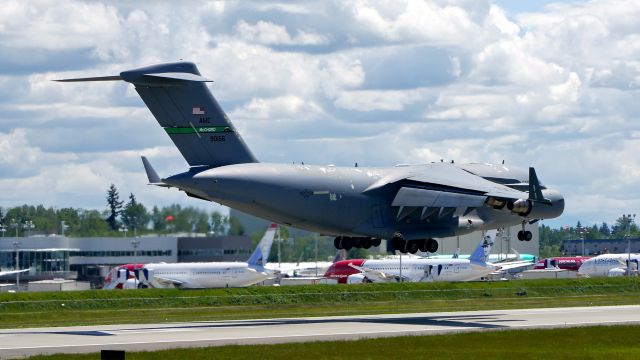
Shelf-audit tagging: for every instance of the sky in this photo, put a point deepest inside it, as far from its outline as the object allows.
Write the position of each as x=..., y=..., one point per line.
x=545, y=84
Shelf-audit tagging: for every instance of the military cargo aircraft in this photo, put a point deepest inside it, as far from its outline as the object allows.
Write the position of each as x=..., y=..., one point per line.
x=410, y=205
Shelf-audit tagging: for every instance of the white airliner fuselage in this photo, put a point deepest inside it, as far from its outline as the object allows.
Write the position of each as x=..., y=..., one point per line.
x=204, y=275
x=608, y=265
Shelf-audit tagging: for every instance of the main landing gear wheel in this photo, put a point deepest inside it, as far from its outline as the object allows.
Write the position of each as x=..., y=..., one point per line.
x=525, y=235
x=413, y=246
x=399, y=243
x=431, y=245
x=346, y=242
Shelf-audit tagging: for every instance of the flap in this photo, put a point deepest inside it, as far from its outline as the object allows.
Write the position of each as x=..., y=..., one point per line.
x=433, y=198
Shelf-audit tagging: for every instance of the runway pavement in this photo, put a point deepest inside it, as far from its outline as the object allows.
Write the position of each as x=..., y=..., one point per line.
x=81, y=339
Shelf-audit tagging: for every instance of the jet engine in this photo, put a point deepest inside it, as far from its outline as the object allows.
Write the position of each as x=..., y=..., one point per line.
x=357, y=279
x=521, y=207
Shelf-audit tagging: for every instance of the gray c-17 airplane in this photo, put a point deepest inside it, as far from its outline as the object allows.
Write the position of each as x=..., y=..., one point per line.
x=408, y=204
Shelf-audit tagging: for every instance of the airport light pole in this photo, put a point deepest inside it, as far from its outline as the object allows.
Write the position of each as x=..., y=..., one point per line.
x=630, y=221
x=582, y=231
x=123, y=229
x=135, y=244
x=316, y=256
x=16, y=246
x=3, y=229
x=28, y=225
x=15, y=225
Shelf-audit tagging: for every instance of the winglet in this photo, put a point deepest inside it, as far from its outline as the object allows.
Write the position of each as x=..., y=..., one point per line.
x=152, y=175
x=535, y=192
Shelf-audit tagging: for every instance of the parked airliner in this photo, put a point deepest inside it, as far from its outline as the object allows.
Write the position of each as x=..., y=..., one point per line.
x=418, y=269
x=609, y=265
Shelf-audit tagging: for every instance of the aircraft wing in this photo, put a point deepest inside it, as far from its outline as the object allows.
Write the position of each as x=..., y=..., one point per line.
x=375, y=275
x=512, y=265
x=165, y=281
x=2, y=273
x=447, y=190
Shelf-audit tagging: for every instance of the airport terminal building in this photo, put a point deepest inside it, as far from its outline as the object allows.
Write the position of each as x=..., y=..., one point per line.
x=90, y=259
x=575, y=247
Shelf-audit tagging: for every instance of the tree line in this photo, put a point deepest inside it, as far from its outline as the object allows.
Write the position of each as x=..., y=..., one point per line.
x=117, y=217
x=551, y=240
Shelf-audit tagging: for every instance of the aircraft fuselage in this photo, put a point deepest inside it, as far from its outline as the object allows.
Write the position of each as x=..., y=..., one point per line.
x=336, y=201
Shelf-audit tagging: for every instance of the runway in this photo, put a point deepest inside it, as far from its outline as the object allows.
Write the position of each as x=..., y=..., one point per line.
x=82, y=339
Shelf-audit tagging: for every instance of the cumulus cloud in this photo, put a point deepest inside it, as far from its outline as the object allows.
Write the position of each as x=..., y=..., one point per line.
x=267, y=33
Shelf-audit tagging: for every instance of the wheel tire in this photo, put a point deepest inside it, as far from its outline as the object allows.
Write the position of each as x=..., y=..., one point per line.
x=403, y=247
x=357, y=242
x=398, y=242
x=376, y=242
x=347, y=243
x=423, y=245
x=528, y=236
x=366, y=243
x=337, y=243
x=521, y=235
x=432, y=245
x=413, y=246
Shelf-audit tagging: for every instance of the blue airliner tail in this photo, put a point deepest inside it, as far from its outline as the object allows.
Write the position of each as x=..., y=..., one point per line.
x=261, y=253
x=481, y=253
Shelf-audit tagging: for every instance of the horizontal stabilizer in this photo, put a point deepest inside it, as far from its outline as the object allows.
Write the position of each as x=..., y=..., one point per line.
x=152, y=175
x=95, y=78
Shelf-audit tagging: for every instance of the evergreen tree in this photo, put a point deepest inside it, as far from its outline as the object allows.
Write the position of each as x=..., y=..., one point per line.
x=115, y=206
x=134, y=214
x=235, y=227
x=604, y=229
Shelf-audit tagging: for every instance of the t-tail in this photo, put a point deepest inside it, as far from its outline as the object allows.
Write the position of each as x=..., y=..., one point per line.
x=182, y=104
x=261, y=253
x=482, y=252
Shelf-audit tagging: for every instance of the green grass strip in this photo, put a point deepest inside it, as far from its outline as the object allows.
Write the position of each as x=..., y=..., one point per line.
x=161, y=305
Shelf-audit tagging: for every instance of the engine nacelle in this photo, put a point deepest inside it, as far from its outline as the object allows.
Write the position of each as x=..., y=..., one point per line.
x=616, y=272
x=521, y=207
x=356, y=279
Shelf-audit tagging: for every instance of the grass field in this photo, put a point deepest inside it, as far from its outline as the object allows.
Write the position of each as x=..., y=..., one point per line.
x=598, y=342
x=160, y=305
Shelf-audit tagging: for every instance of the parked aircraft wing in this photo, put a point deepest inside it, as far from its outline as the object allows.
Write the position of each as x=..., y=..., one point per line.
x=168, y=281
x=13, y=272
x=375, y=274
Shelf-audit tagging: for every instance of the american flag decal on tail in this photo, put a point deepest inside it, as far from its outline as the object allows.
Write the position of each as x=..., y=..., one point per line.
x=198, y=110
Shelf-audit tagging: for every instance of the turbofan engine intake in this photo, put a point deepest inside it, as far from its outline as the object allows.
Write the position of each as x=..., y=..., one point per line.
x=521, y=207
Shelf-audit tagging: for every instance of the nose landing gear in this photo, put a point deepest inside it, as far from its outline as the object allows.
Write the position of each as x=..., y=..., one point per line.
x=524, y=235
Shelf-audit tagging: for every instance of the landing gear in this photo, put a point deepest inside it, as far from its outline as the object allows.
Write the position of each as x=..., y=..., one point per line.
x=413, y=246
x=431, y=245
x=525, y=235
x=347, y=243
x=398, y=242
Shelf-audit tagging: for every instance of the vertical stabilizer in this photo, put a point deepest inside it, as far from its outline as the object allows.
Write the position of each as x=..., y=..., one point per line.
x=182, y=104
x=261, y=253
x=481, y=253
